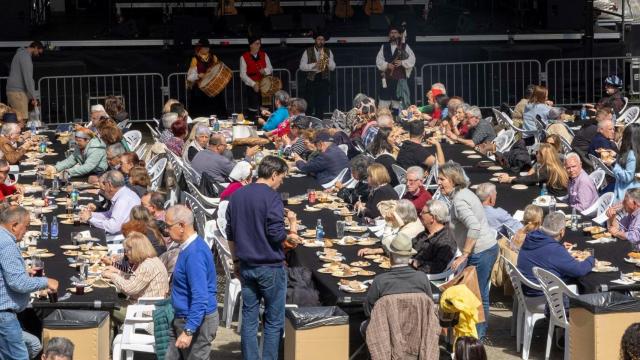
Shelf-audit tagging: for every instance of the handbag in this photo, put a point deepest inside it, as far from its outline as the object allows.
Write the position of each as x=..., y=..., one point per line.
x=468, y=277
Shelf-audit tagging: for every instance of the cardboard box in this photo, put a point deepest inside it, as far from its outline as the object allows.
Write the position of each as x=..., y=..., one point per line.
x=597, y=336
x=90, y=344
x=321, y=343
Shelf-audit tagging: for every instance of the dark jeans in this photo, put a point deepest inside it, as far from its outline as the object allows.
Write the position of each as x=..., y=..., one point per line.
x=317, y=94
x=200, y=343
x=483, y=261
x=253, y=101
x=12, y=345
x=201, y=104
x=270, y=285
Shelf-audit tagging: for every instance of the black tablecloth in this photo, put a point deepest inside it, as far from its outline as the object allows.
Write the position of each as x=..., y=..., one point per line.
x=57, y=267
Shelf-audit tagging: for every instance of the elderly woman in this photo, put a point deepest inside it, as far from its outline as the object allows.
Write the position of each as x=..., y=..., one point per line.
x=360, y=190
x=9, y=136
x=149, y=278
x=379, y=190
x=436, y=246
x=240, y=175
x=201, y=133
x=128, y=161
x=281, y=114
x=475, y=239
x=89, y=157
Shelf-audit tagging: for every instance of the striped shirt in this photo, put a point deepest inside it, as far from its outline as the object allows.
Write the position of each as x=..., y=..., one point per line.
x=15, y=284
x=150, y=279
x=297, y=147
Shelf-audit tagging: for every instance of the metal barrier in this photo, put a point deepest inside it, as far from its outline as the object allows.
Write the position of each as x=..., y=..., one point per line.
x=581, y=80
x=484, y=83
x=66, y=98
x=233, y=94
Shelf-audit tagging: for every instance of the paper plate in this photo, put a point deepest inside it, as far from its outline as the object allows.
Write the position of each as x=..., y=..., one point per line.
x=474, y=157
x=494, y=179
x=519, y=187
x=495, y=168
x=468, y=152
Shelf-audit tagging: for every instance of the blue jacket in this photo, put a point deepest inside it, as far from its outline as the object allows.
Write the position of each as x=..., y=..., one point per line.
x=276, y=118
x=543, y=251
x=600, y=141
x=327, y=165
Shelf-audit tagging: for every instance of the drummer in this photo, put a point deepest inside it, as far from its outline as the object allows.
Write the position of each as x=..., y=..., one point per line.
x=254, y=65
x=201, y=104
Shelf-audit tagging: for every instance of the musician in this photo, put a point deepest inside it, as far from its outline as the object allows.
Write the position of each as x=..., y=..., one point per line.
x=201, y=104
x=396, y=61
x=317, y=61
x=254, y=65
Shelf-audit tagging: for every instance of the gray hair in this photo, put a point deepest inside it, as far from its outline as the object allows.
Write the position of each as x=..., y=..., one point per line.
x=454, y=172
x=439, y=210
x=465, y=107
x=406, y=211
x=357, y=100
x=474, y=111
x=202, y=129
x=168, y=119
x=359, y=165
x=283, y=97
x=603, y=123
x=217, y=139
x=397, y=259
x=553, y=224
x=180, y=214
x=116, y=149
x=385, y=121
x=634, y=194
x=485, y=190
x=115, y=178
x=59, y=347
x=13, y=214
x=417, y=171
x=572, y=155
x=9, y=128
x=299, y=104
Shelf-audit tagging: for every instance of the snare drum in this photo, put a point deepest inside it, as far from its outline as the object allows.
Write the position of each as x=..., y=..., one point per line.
x=269, y=85
x=215, y=80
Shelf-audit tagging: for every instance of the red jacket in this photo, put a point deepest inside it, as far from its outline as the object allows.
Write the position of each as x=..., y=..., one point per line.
x=254, y=66
x=420, y=199
x=6, y=190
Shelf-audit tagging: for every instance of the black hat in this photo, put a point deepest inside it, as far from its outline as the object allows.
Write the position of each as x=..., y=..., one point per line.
x=253, y=38
x=301, y=122
x=10, y=117
x=322, y=136
x=204, y=42
x=321, y=32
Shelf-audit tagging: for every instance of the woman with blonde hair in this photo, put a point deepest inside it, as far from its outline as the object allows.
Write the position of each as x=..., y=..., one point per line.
x=532, y=220
x=380, y=190
x=549, y=170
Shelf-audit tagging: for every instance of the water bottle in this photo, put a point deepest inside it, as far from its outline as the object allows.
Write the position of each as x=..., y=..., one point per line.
x=54, y=228
x=583, y=113
x=43, y=146
x=74, y=195
x=552, y=205
x=44, y=228
x=55, y=186
x=319, y=231
x=574, y=220
x=544, y=191
x=216, y=125
x=33, y=127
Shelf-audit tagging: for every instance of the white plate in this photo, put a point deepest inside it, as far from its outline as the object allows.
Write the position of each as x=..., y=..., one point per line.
x=495, y=168
x=604, y=269
x=467, y=152
x=632, y=260
x=519, y=187
x=474, y=156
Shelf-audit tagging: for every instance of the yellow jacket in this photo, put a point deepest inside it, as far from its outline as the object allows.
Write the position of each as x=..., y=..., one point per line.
x=459, y=299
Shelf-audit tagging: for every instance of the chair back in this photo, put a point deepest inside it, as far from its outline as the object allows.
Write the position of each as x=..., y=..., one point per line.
x=133, y=139
x=400, y=190
x=630, y=115
x=554, y=290
x=400, y=172
x=222, y=249
x=199, y=213
x=598, y=164
x=153, y=160
x=141, y=151
x=137, y=315
x=156, y=173
x=626, y=103
x=154, y=132
x=340, y=177
x=504, y=140
x=344, y=148
x=566, y=146
x=517, y=280
x=208, y=202
x=604, y=202
x=431, y=182
x=449, y=272
x=597, y=176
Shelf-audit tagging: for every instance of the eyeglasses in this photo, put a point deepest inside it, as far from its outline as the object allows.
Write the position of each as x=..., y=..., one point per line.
x=169, y=226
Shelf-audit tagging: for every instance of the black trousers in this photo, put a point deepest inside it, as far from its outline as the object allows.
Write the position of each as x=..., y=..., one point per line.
x=317, y=96
x=253, y=101
x=201, y=104
x=389, y=93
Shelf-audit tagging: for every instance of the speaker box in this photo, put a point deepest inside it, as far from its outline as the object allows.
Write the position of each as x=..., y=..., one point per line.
x=311, y=21
x=379, y=22
x=282, y=22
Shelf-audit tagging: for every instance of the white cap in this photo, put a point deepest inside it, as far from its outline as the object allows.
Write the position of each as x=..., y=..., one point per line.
x=97, y=107
x=241, y=171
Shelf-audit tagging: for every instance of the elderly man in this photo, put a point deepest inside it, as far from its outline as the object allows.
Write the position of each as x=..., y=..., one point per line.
x=542, y=248
x=199, y=143
x=16, y=284
x=496, y=217
x=114, y=151
x=167, y=120
x=589, y=129
x=627, y=228
x=90, y=156
x=193, y=290
x=96, y=116
x=256, y=233
x=604, y=139
x=7, y=190
x=154, y=202
x=384, y=121
x=412, y=153
x=326, y=166
x=480, y=130
x=122, y=200
x=212, y=161
x=58, y=348
x=435, y=246
x=416, y=192
x=278, y=116
x=9, y=136
x=581, y=189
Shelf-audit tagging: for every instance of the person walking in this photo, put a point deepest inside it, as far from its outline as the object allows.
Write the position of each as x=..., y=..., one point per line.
x=21, y=88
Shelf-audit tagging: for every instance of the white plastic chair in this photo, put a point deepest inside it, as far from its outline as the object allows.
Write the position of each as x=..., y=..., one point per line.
x=14, y=171
x=122, y=124
x=598, y=164
x=630, y=115
x=504, y=141
x=130, y=341
x=141, y=150
x=344, y=148
x=199, y=213
x=529, y=308
x=351, y=183
x=600, y=206
x=400, y=172
x=210, y=204
x=133, y=138
x=156, y=173
x=221, y=217
x=448, y=273
x=233, y=286
x=554, y=291
x=338, y=178
x=400, y=190
x=154, y=133
x=626, y=103
x=597, y=176
x=505, y=119
x=431, y=182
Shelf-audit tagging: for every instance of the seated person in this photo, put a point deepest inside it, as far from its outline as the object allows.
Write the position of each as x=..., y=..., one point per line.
x=360, y=190
x=412, y=153
x=122, y=199
x=382, y=148
x=518, y=110
x=297, y=109
x=379, y=190
x=201, y=133
x=139, y=180
x=294, y=141
x=240, y=176
x=584, y=136
x=328, y=164
x=613, y=98
x=581, y=189
x=401, y=279
x=401, y=219
x=542, y=248
x=9, y=137
x=604, y=139
x=176, y=142
x=167, y=120
x=480, y=130
x=89, y=157
x=435, y=247
x=532, y=220
x=281, y=114
x=361, y=118
x=58, y=348
x=548, y=171
x=496, y=217
x=154, y=201
x=212, y=161
x=627, y=228
x=142, y=221
x=7, y=190
x=538, y=105
x=416, y=192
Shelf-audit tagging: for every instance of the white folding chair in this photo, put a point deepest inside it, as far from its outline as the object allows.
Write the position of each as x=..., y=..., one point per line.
x=431, y=182
x=598, y=164
x=529, y=308
x=232, y=287
x=504, y=141
x=597, y=176
x=210, y=204
x=199, y=213
x=600, y=206
x=154, y=133
x=141, y=150
x=344, y=148
x=630, y=115
x=400, y=172
x=554, y=291
x=338, y=178
x=626, y=103
x=351, y=183
x=14, y=172
x=156, y=173
x=130, y=341
x=133, y=139
x=400, y=190
x=122, y=124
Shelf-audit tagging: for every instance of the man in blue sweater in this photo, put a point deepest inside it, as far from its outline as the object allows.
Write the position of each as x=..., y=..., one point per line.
x=326, y=166
x=256, y=232
x=604, y=139
x=542, y=248
x=193, y=290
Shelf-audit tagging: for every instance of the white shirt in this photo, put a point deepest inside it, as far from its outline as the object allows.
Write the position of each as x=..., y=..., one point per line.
x=190, y=239
x=304, y=61
x=243, y=70
x=407, y=64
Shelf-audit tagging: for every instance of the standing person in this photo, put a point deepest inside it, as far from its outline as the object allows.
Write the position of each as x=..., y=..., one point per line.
x=254, y=65
x=21, y=88
x=256, y=232
x=317, y=62
x=395, y=60
x=15, y=283
x=201, y=104
x=193, y=290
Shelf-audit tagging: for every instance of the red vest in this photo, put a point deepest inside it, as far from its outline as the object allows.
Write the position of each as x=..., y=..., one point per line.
x=254, y=66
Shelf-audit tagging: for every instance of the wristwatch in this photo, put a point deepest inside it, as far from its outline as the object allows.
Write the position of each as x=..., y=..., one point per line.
x=189, y=332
